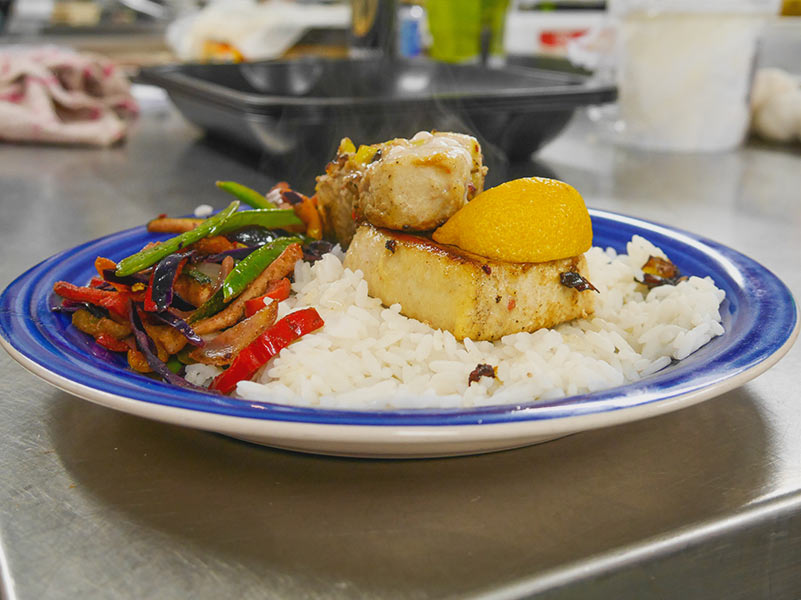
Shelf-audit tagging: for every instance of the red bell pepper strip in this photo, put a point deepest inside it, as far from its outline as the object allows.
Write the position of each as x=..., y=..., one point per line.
x=277, y=290
x=111, y=343
x=101, y=264
x=254, y=305
x=115, y=302
x=268, y=344
x=104, y=266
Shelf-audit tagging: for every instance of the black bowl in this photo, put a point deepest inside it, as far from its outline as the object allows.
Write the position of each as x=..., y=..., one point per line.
x=300, y=109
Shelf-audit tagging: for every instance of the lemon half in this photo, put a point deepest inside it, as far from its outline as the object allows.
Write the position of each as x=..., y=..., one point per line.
x=525, y=220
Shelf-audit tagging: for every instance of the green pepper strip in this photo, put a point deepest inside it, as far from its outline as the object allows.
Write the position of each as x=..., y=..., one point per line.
x=252, y=266
x=210, y=307
x=147, y=258
x=247, y=195
x=241, y=276
x=269, y=218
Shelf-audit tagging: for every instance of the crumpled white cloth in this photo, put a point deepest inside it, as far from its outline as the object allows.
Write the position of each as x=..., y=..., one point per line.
x=50, y=94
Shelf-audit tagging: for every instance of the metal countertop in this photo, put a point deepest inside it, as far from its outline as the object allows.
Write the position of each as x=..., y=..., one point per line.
x=700, y=503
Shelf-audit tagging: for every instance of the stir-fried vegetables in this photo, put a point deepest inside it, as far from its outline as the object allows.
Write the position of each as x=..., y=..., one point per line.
x=277, y=290
x=222, y=349
x=229, y=315
x=150, y=256
x=249, y=268
x=267, y=345
x=115, y=302
x=209, y=294
x=162, y=280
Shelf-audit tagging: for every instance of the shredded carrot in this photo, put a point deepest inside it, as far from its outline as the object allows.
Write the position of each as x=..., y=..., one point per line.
x=307, y=212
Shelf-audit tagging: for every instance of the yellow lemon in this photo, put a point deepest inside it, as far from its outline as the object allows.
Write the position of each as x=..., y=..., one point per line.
x=526, y=220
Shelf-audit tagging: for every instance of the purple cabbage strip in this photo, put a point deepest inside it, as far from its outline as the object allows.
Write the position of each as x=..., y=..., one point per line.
x=254, y=236
x=109, y=275
x=181, y=304
x=236, y=254
x=70, y=306
x=66, y=309
x=105, y=286
x=315, y=250
x=182, y=326
x=163, y=279
x=291, y=197
x=148, y=347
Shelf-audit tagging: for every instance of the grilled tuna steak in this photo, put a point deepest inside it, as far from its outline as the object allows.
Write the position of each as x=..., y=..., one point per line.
x=469, y=295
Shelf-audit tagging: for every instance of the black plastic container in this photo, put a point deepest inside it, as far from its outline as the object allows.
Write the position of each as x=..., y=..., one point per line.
x=296, y=109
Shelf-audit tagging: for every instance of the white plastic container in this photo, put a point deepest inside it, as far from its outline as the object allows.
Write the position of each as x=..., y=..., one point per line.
x=685, y=70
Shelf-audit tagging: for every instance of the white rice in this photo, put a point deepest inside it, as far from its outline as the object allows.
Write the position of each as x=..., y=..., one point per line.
x=371, y=357
x=203, y=210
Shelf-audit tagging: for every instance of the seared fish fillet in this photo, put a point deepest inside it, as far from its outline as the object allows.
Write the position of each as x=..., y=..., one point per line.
x=469, y=295
x=410, y=185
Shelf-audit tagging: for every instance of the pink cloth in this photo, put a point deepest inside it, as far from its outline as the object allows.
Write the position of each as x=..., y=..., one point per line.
x=56, y=95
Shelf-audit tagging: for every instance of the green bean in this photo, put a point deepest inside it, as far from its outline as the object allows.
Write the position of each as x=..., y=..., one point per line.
x=146, y=258
x=245, y=194
x=210, y=307
x=241, y=276
x=252, y=266
x=269, y=218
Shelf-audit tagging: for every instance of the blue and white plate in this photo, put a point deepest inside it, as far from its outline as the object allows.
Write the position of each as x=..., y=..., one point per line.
x=759, y=315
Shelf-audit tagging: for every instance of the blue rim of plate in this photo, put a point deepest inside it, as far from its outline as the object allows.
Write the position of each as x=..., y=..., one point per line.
x=759, y=316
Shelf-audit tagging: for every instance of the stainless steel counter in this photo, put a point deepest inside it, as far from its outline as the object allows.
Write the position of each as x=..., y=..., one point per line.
x=701, y=503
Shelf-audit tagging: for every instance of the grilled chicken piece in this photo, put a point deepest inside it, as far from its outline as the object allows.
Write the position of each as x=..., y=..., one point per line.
x=88, y=323
x=336, y=195
x=193, y=291
x=469, y=295
x=410, y=185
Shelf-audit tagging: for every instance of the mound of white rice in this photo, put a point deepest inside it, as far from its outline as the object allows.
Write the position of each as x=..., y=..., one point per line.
x=371, y=357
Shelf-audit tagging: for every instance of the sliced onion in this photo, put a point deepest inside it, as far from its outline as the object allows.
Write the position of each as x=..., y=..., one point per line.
x=224, y=347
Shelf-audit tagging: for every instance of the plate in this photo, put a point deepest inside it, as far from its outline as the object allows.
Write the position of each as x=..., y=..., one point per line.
x=759, y=315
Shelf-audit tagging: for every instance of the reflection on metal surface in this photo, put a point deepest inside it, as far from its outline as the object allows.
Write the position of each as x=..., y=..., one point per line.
x=487, y=519
x=7, y=585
